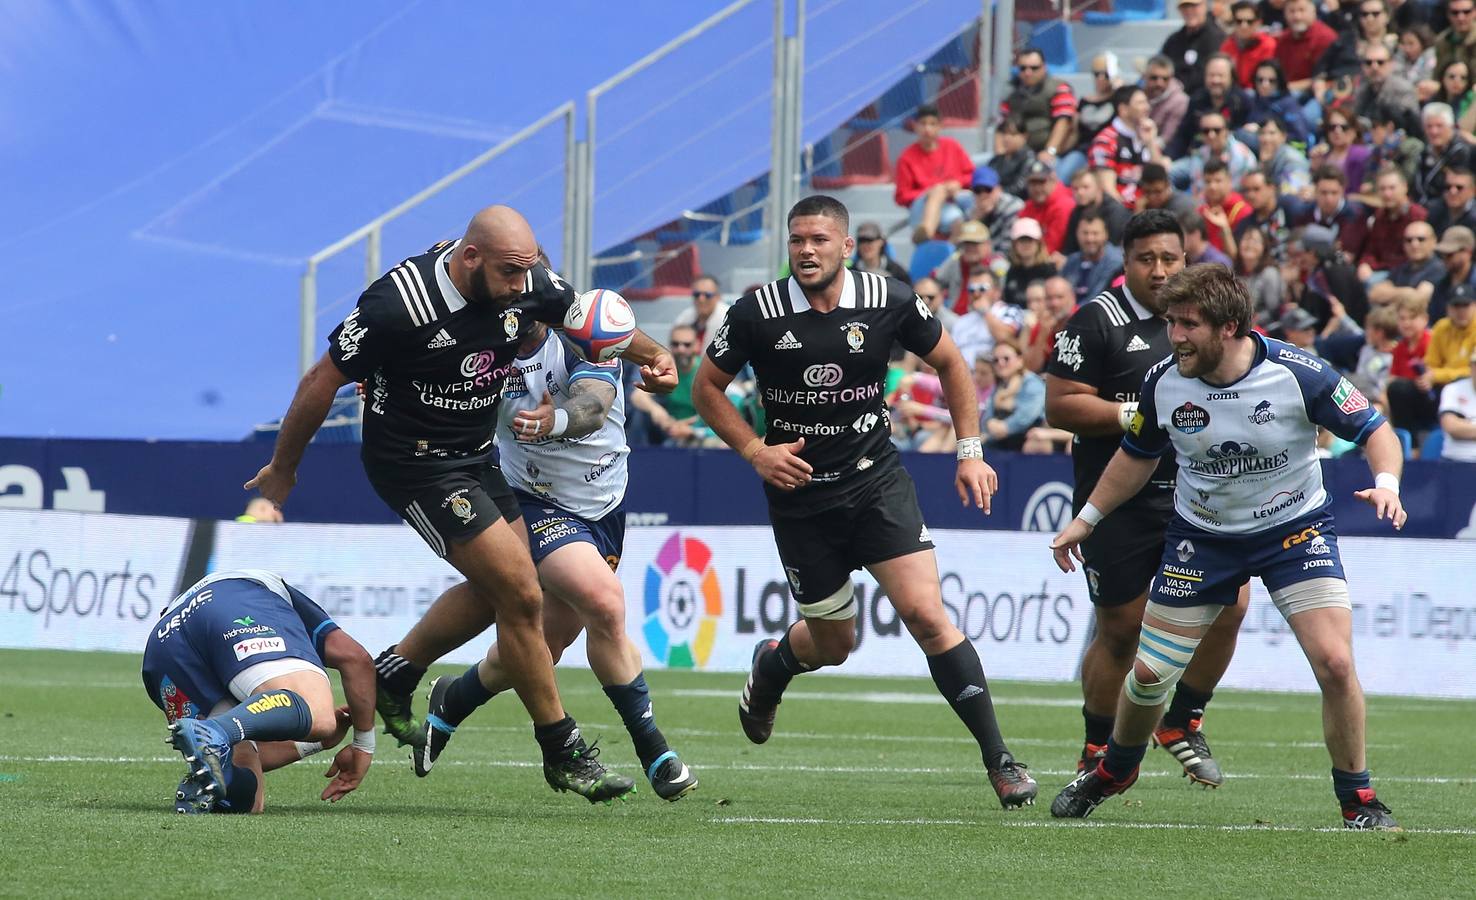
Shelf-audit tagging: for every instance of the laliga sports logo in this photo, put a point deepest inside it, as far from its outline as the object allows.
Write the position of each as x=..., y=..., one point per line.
x=683, y=603
x=825, y=375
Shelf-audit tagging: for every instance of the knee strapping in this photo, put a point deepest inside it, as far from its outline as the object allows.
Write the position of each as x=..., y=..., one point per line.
x=1164, y=654
x=838, y=606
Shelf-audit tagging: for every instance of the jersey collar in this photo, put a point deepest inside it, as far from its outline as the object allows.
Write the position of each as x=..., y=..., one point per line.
x=1139, y=310
x=799, y=303
x=449, y=293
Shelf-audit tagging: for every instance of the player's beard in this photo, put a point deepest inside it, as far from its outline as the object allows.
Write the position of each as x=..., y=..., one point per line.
x=1205, y=359
x=821, y=282
x=481, y=291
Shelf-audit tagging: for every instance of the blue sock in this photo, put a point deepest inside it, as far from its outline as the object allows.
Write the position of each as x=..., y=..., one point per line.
x=268, y=716
x=1346, y=785
x=633, y=702
x=1122, y=761
x=463, y=697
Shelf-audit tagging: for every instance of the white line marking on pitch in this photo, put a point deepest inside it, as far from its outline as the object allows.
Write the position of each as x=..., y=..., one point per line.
x=1031, y=823
x=908, y=697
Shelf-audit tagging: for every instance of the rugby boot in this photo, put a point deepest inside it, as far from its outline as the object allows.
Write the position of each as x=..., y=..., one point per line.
x=577, y=768
x=755, y=710
x=1365, y=813
x=1012, y=784
x=670, y=777
x=1087, y=791
x=436, y=732
x=1189, y=747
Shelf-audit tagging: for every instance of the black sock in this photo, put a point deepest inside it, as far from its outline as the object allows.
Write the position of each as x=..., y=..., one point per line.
x=556, y=738
x=1121, y=761
x=1346, y=785
x=1188, y=704
x=633, y=702
x=1098, y=728
x=463, y=697
x=960, y=679
x=398, y=674
x=779, y=668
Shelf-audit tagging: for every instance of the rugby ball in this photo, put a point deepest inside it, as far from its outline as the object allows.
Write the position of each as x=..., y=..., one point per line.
x=599, y=324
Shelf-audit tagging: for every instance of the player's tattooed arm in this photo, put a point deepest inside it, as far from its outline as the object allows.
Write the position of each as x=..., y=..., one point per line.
x=588, y=406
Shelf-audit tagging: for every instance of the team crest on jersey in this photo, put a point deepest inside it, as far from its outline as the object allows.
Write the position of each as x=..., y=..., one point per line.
x=511, y=323
x=1263, y=413
x=460, y=507
x=856, y=335
x=1190, y=419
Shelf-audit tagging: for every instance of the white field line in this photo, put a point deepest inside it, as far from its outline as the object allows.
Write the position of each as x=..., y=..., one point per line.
x=1033, y=823
x=908, y=697
x=755, y=767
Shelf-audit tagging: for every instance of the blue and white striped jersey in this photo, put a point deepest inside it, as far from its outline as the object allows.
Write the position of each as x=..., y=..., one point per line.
x=1247, y=451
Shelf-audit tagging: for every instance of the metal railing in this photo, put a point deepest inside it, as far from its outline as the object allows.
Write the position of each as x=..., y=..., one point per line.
x=372, y=232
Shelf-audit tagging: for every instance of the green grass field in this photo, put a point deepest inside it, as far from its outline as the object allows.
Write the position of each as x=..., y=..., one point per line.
x=869, y=787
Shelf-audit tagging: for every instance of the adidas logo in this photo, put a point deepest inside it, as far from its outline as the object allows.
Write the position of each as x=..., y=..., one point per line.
x=443, y=340
x=972, y=690
x=788, y=342
x=1137, y=343
x=923, y=537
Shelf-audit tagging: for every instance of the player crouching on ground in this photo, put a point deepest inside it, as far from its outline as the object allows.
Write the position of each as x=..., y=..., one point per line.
x=247, y=650
x=1241, y=412
x=839, y=499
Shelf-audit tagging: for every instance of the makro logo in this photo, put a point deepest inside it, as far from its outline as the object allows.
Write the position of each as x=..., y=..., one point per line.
x=683, y=603
x=269, y=702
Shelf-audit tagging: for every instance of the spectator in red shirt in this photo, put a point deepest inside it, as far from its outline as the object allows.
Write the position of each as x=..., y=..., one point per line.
x=1048, y=202
x=1414, y=338
x=1383, y=246
x=1302, y=44
x=1248, y=46
x=1222, y=209
x=1128, y=143
x=933, y=177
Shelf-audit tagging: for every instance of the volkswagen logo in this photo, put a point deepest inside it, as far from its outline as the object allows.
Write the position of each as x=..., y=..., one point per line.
x=821, y=376
x=1048, y=509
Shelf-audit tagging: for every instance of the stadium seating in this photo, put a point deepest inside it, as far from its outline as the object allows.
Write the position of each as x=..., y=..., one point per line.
x=928, y=256
x=1433, y=444
x=863, y=159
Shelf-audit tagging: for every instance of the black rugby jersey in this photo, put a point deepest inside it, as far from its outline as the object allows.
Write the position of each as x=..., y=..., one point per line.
x=433, y=363
x=823, y=376
x=1110, y=343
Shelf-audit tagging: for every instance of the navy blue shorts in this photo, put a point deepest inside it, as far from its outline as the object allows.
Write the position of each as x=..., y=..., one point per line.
x=1199, y=567
x=228, y=626
x=550, y=528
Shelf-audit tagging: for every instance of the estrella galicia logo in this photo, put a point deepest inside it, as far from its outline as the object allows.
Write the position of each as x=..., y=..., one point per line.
x=1048, y=509
x=1263, y=413
x=683, y=603
x=1190, y=419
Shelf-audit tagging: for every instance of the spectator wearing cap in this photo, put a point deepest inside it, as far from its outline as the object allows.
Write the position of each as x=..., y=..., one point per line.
x=1458, y=206
x=1044, y=106
x=1048, y=202
x=1299, y=328
x=1013, y=158
x=996, y=209
x=1087, y=193
x=1248, y=44
x=1302, y=44
x=931, y=174
x=1092, y=268
x=1167, y=99
x=971, y=257
x=1029, y=260
x=1383, y=244
x=1444, y=150
x=707, y=312
x=1458, y=416
x=1453, y=338
x=1121, y=150
x=1455, y=250
x=1197, y=249
x=871, y=254
x=1420, y=272
x=1193, y=44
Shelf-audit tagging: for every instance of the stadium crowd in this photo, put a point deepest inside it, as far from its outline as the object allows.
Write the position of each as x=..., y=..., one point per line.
x=1324, y=154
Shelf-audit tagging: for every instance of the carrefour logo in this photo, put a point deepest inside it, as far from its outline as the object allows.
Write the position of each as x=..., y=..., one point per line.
x=683, y=603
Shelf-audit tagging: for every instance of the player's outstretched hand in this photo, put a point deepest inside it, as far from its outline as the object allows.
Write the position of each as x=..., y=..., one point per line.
x=780, y=465
x=1386, y=505
x=350, y=765
x=976, y=478
x=660, y=376
x=533, y=425
x=1068, y=544
x=273, y=483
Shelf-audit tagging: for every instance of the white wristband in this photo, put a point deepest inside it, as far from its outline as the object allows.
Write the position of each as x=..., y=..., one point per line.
x=1090, y=515
x=364, y=741
x=1125, y=413
x=970, y=448
x=1388, y=481
x=304, y=750
x=561, y=423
